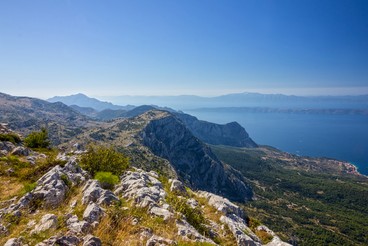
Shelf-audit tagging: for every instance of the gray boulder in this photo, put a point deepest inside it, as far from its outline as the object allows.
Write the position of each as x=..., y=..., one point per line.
x=60, y=241
x=14, y=242
x=21, y=151
x=77, y=226
x=48, y=221
x=159, y=241
x=92, y=192
x=142, y=187
x=188, y=232
x=178, y=187
x=161, y=212
x=93, y=213
x=222, y=204
x=7, y=146
x=91, y=240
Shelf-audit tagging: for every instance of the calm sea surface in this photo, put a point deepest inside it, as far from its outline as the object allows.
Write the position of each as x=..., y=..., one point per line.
x=343, y=137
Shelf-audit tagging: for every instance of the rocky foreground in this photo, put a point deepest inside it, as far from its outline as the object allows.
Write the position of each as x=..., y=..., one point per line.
x=67, y=207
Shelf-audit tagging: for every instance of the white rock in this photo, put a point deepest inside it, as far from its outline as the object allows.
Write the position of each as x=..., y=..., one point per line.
x=48, y=221
x=91, y=240
x=92, y=213
x=14, y=242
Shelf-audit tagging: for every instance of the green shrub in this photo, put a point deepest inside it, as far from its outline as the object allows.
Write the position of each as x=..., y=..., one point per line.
x=107, y=179
x=37, y=139
x=103, y=159
x=28, y=187
x=11, y=137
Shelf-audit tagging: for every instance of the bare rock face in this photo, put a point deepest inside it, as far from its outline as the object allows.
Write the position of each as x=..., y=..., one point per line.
x=231, y=134
x=192, y=160
x=48, y=221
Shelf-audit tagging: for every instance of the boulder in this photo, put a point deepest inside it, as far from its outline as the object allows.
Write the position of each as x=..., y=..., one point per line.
x=92, y=192
x=161, y=212
x=222, y=204
x=7, y=146
x=48, y=221
x=91, y=240
x=14, y=242
x=92, y=213
x=142, y=187
x=21, y=151
x=60, y=241
x=3, y=230
x=77, y=226
x=188, y=232
x=178, y=188
x=159, y=241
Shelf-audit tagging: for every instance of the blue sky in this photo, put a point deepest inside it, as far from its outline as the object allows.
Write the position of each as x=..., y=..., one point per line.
x=200, y=47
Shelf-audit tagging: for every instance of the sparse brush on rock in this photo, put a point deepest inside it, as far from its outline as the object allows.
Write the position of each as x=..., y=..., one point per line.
x=103, y=159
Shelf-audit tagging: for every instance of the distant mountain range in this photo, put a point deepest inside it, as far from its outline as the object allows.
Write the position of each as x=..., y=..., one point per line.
x=84, y=101
x=246, y=100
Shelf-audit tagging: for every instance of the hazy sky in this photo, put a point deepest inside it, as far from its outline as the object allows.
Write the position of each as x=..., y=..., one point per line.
x=199, y=47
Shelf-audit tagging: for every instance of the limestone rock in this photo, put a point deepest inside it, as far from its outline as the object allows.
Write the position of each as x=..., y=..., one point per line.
x=3, y=230
x=7, y=146
x=92, y=192
x=192, y=203
x=92, y=213
x=242, y=233
x=222, y=204
x=91, y=240
x=159, y=241
x=161, y=212
x=142, y=187
x=188, y=232
x=76, y=226
x=178, y=187
x=14, y=242
x=60, y=241
x=48, y=221
x=21, y=151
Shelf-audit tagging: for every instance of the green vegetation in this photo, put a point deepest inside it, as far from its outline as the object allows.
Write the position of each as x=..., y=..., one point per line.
x=37, y=139
x=308, y=208
x=103, y=159
x=11, y=137
x=107, y=179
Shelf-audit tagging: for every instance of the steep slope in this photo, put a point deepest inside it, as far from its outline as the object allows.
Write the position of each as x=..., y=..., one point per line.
x=231, y=134
x=82, y=100
x=27, y=114
x=314, y=201
x=193, y=161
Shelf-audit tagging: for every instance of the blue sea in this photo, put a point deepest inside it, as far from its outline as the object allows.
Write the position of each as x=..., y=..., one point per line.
x=343, y=137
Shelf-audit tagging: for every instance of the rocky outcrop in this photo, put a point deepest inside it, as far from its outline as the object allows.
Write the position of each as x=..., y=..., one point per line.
x=68, y=240
x=231, y=134
x=222, y=204
x=156, y=240
x=48, y=221
x=92, y=192
x=187, y=231
x=93, y=213
x=178, y=187
x=192, y=160
x=91, y=240
x=14, y=242
x=146, y=191
x=21, y=151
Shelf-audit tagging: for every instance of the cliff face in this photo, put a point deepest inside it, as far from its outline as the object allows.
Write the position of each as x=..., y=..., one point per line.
x=231, y=134
x=193, y=161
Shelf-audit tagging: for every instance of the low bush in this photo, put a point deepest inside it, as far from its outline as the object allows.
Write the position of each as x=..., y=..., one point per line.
x=11, y=137
x=103, y=159
x=107, y=179
x=38, y=139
